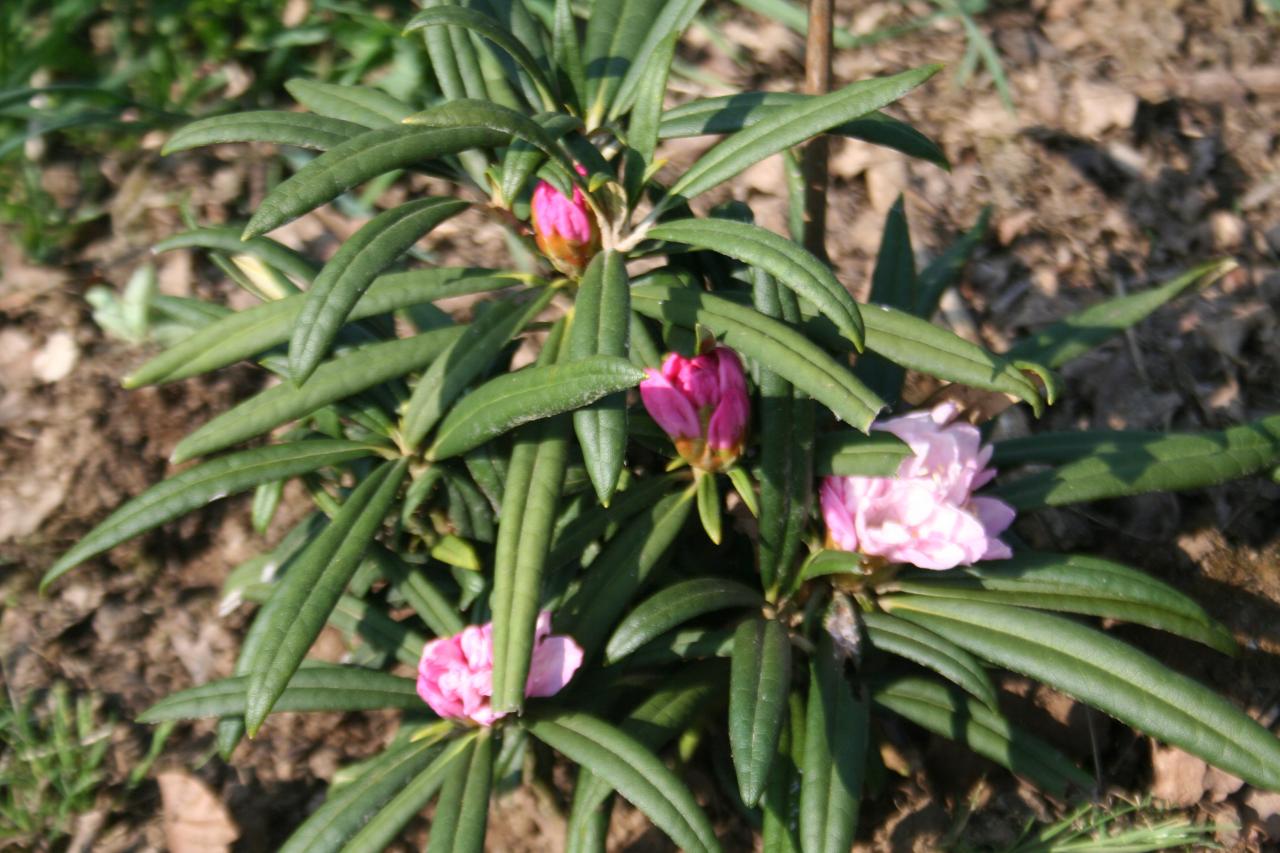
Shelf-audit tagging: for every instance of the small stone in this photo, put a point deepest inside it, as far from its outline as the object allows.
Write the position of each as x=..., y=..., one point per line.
x=1228, y=231
x=56, y=359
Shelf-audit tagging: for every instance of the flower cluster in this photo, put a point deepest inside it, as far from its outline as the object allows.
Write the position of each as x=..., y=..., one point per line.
x=927, y=515
x=455, y=675
x=702, y=404
x=564, y=228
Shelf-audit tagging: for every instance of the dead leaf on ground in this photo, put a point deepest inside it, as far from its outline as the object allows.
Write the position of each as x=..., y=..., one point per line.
x=195, y=820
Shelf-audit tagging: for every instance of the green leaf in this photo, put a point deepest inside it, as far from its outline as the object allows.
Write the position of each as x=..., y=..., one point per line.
x=1076, y=584
x=899, y=637
x=830, y=562
x=786, y=449
x=786, y=261
x=228, y=240
x=642, y=130
x=1170, y=462
x=632, y=770
x=348, y=374
x=503, y=403
x=524, y=158
x=575, y=537
x=312, y=688
x=709, y=505
x=362, y=619
x=1079, y=333
x=459, y=825
x=652, y=57
x=943, y=271
x=794, y=124
x=467, y=357
x=601, y=326
x=198, y=486
x=359, y=159
x=615, y=32
x=835, y=748
x=266, y=500
x=349, y=808
x=247, y=333
x=376, y=246
x=411, y=583
x=535, y=478
x=390, y=818
x=628, y=560
x=780, y=805
x=280, y=128
x=758, y=686
x=784, y=350
x=478, y=22
x=894, y=284
x=952, y=714
x=1106, y=673
x=673, y=606
x=360, y=105
x=745, y=488
x=468, y=112
x=684, y=644
x=301, y=604
x=846, y=453
x=732, y=113
x=568, y=58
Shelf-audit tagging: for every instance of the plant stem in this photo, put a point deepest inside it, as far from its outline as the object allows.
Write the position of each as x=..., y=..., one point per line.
x=817, y=81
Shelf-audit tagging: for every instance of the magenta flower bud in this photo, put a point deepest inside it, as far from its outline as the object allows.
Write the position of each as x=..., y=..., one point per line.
x=455, y=675
x=702, y=404
x=565, y=229
x=926, y=515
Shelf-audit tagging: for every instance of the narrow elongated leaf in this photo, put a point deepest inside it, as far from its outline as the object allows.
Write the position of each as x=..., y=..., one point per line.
x=280, y=128
x=360, y=105
x=794, y=124
x=1055, y=448
x=758, y=686
x=576, y=536
x=846, y=453
x=359, y=618
x=905, y=639
x=780, y=806
x=530, y=394
x=1076, y=584
x=253, y=331
x=377, y=245
x=601, y=326
x=893, y=284
x=312, y=587
x=835, y=748
x=1170, y=462
x=349, y=808
x=633, y=771
x=952, y=714
x=228, y=240
x=428, y=602
x=1081, y=332
x=469, y=112
x=786, y=448
x=482, y=24
x=535, y=478
x=786, y=261
x=732, y=113
x=642, y=131
x=352, y=372
x=652, y=56
x=631, y=557
x=466, y=358
x=318, y=688
x=459, y=825
x=784, y=350
x=615, y=32
x=198, y=486
x=674, y=606
x=943, y=270
x=391, y=817
x=1106, y=673
x=685, y=644
x=359, y=159
x=524, y=158
x=919, y=345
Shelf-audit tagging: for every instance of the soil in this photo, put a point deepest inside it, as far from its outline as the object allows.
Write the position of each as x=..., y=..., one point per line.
x=1145, y=141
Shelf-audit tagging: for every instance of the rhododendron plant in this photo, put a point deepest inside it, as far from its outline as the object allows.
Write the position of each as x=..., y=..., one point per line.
x=461, y=492
x=926, y=514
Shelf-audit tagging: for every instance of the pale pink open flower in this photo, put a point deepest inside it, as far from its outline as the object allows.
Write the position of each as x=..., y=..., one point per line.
x=702, y=404
x=926, y=515
x=564, y=228
x=455, y=675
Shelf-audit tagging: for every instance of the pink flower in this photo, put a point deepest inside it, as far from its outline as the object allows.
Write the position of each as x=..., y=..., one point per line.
x=926, y=515
x=564, y=229
x=702, y=404
x=455, y=675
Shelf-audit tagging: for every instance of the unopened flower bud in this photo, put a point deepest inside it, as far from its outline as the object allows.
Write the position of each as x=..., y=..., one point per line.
x=702, y=404
x=565, y=229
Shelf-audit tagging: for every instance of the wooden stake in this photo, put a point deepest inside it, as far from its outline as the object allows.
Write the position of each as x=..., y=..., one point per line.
x=817, y=81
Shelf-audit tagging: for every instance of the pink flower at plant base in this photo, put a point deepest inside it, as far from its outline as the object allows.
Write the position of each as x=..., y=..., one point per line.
x=455, y=675
x=702, y=404
x=927, y=515
x=564, y=229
